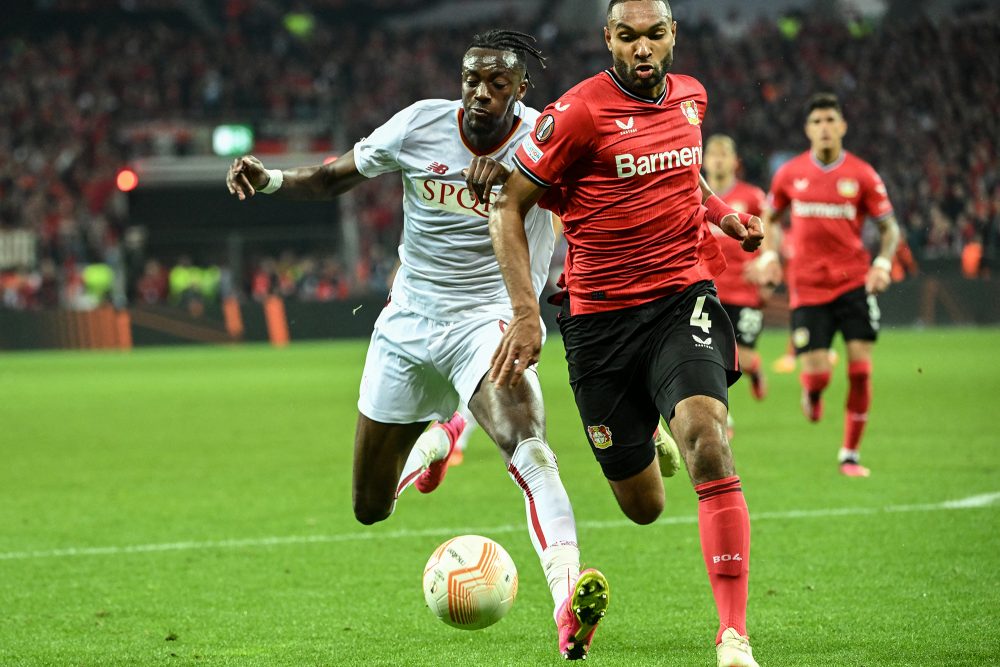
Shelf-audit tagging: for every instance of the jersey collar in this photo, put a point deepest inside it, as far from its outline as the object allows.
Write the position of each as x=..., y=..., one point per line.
x=500, y=144
x=828, y=167
x=649, y=100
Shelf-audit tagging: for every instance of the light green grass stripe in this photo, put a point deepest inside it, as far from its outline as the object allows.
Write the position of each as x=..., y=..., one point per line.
x=971, y=502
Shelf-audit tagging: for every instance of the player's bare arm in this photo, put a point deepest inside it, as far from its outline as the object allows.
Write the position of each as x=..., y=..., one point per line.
x=482, y=174
x=521, y=344
x=766, y=270
x=745, y=228
x=247, y=175
x=880, y=274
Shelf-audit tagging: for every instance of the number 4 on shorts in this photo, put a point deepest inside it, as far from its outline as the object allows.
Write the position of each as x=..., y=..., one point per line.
x=699, y=318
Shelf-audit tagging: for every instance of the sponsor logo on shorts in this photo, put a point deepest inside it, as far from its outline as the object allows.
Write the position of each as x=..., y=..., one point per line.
x=702, y=342
x=690, y=110
x=800, y=337
x=546, y=126
x=532, y=150
x=600, y=435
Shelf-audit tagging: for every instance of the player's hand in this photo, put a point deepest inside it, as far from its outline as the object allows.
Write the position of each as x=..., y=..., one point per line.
x=246, y=175
x=482, y=174
x=519, y=348
x=749, y=235
x=877, y=280
x=764, y=271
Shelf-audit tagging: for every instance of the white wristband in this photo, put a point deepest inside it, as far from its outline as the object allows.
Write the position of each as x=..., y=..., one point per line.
x=767, y=257
x=883, y=263
x=274, y=180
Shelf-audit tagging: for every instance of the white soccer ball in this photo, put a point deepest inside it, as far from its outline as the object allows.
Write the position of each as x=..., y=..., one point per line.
x=470, y=582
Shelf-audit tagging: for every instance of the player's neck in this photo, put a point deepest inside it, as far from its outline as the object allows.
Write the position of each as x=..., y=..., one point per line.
x=721, y=184
x=486, y=142
x=828, y=155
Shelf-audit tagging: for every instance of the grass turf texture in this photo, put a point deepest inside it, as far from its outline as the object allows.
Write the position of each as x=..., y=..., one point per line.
x=184, y=449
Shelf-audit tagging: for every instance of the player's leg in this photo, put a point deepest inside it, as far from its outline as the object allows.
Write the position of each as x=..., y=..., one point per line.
x=514, y=418
x=381, y=452
x=605, y=354
x=812, y=334
x=699, y=424
x=691, y=380
x=748, y=324
x=859, y=316
x=457, y=455
x=400, y=394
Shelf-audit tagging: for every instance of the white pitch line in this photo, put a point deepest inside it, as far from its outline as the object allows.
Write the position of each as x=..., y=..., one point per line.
x=972, y=502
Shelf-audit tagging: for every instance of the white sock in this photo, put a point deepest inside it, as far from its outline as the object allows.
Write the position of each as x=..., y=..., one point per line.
x=550, y=516
x=432, y=445
x=470, y=426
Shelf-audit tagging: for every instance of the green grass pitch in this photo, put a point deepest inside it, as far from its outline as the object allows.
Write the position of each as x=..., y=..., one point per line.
x=192, y=506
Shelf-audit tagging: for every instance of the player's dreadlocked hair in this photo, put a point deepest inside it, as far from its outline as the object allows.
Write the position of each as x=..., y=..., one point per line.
x=521, y=44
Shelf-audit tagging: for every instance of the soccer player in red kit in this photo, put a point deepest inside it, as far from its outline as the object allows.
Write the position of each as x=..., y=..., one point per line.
x=618, y=158
x=832, y=280
x=740, y=296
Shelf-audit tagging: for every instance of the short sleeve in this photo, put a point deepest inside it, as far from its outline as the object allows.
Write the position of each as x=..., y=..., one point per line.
x=875, y=198
x=378, y=153
x=563, y=133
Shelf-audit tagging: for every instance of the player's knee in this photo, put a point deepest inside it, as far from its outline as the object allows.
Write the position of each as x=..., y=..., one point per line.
x=646, y=511
x=708, y=453
x=369, y=513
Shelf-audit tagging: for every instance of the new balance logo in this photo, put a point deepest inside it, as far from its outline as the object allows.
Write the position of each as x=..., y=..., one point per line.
x=628, y=127
x=561, y=107
x=726, y=558
x=698, y=342
x=437, y=168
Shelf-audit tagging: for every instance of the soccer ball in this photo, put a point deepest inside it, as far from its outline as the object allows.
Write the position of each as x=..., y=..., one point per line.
x=470, y=582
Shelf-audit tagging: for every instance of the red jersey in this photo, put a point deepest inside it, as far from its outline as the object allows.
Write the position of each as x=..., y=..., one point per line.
x=829, y=204
x=622, y=171
x=734, y=289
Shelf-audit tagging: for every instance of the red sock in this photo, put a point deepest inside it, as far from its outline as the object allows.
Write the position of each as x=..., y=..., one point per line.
x=859, y=398
x=814, y=383
x=724, y=524
x=754, y=368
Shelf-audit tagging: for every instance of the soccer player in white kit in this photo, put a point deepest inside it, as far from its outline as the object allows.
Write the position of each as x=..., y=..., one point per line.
x=432, y=344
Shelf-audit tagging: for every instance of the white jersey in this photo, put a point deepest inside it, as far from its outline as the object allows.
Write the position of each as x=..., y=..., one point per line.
x=447, y=265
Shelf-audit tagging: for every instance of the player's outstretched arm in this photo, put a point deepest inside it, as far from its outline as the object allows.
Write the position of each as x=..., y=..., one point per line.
x=880, y=273
x=247, y=176
x=766, y=269
x=745, y=228
x=521, y=344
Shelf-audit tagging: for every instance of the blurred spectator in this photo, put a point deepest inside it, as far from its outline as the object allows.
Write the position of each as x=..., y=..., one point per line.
x=79, y=98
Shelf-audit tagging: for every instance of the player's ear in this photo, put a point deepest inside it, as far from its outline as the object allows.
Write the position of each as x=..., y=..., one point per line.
x=522, y=89
x=607, y=37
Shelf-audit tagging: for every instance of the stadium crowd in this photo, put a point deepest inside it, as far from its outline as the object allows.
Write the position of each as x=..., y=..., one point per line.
x=921, y=97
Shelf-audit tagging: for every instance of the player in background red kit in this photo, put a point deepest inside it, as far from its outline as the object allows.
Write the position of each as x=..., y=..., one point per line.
x=618, y=158
x=740, y=296
x=833, y=280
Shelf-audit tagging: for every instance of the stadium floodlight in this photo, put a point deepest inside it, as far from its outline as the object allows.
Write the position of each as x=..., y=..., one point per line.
x=231, y=140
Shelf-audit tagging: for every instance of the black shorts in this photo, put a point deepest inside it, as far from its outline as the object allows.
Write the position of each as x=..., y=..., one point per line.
x=748, y=323
x=629, y=366
x=855, y=314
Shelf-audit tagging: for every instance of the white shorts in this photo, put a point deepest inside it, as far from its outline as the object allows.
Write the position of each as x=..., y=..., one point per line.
x=418, y=369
